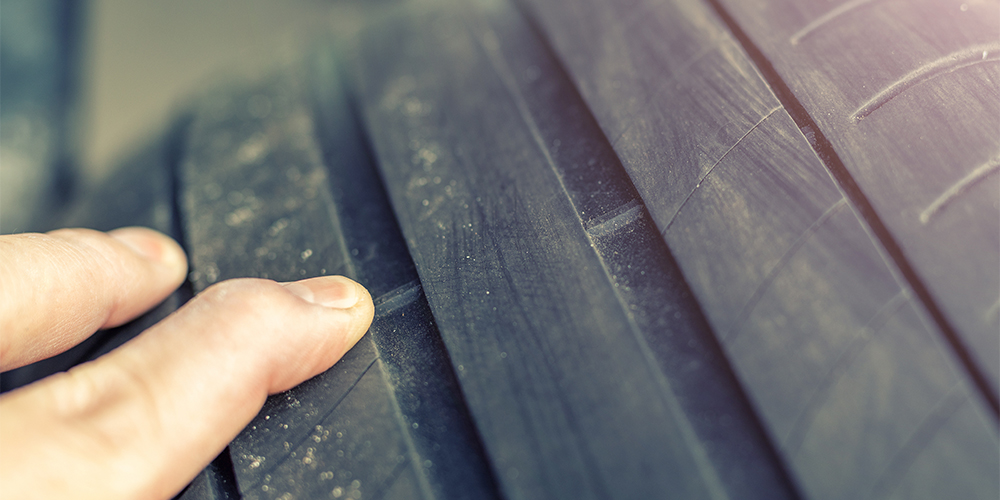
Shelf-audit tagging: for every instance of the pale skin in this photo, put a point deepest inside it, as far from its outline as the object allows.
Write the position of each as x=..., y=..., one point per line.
x=143, y=420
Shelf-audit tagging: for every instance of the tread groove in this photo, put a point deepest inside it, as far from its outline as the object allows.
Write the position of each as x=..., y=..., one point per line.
x=398, y=297
x=623, y=215
x=971, y=56
x=476, y=475
x=848, y=185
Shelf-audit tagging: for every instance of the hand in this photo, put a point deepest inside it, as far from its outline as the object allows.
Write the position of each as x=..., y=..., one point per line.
x=143, y=420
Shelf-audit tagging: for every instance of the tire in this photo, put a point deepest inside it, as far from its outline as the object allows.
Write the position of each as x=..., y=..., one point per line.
x=781, y=151
x=263, y=196
x=617, y=250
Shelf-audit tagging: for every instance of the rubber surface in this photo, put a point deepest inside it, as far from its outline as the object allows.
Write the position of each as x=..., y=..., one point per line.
x=528, y=273
x=856, y=377
x=906, y=94
x=265, y=199
x=628, y=249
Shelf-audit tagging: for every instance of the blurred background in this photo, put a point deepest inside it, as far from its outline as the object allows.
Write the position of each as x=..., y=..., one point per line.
x=83, y=82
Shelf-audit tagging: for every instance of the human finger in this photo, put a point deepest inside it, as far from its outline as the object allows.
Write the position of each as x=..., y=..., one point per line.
x=141, y=421
x=58, y=288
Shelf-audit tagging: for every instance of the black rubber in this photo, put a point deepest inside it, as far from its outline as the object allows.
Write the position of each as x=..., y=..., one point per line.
x=862, y=331
x=265, y=197
x=589, y=371
x=626, y=249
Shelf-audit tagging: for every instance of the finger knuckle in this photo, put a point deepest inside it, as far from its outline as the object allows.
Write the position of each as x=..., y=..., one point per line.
x=251, y=300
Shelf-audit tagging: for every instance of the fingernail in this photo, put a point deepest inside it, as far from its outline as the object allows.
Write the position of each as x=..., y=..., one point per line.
x=151, y=245
x=336, y=292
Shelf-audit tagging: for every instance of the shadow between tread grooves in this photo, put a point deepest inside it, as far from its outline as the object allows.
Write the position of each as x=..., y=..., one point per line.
x=832, y=161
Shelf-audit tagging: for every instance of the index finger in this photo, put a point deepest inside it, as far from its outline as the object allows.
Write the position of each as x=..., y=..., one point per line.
x=58, y=288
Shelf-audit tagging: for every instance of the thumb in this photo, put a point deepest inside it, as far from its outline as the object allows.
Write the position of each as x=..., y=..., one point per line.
x=141, y=421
